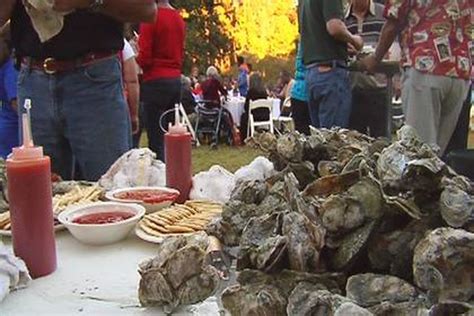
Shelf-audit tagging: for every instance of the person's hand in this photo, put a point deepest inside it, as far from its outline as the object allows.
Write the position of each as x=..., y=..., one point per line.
x=369, y=63
x=357, y=43
x=351, y=50
x=135, y=124
x=70, y=5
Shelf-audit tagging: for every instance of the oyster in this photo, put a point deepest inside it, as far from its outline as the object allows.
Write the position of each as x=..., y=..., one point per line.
x=258, y=293
x=250, y=192
x=351, y=309
x=344, y=212
x=443, y=264
x=456, y=206
x=265, y=300
x=332, y=184
x=305, y=242
x=290, y=147
x=370, y=289
x=329, y=168
x=310, y=299
x=261, y=245
x=3, y=187
x=352, y=246
x=171, y=280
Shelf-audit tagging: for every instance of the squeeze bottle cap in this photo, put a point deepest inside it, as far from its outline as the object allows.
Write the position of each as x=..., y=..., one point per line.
x=28, y=150
x=177, y=128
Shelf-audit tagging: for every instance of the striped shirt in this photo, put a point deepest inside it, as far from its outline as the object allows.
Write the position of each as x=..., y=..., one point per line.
x=369, y=29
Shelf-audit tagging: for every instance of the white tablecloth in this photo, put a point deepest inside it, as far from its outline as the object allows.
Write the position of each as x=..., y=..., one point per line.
x=92, y=281
x=235, y=105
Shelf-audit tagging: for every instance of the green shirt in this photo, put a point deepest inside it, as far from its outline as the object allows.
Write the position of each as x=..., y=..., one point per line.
x=318, y=45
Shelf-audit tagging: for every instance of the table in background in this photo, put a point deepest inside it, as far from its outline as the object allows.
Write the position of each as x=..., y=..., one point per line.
x=236, y=107
x=92, y=281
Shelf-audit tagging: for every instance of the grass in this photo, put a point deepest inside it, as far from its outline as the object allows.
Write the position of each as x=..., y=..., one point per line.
x=231, y=158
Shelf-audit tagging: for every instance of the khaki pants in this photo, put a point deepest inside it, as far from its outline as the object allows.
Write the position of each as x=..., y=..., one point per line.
x=432, y=105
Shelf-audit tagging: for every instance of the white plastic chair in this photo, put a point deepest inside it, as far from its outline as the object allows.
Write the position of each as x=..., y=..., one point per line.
x=252, y=123
x=284, y=121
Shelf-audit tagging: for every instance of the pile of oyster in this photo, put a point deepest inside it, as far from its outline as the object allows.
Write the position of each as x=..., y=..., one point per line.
x=350, y=225
x=179, y=275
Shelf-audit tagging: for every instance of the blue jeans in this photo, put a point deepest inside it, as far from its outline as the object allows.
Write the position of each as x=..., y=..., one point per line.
x=81, y=114
x=330, y=97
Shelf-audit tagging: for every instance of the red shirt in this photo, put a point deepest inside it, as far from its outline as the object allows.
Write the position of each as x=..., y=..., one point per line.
x=437, y=38
x=161, y=46
x=210, y=91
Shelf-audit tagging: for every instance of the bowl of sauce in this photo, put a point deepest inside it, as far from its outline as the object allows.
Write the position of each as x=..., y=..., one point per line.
x=152, y=198
x=101, y=223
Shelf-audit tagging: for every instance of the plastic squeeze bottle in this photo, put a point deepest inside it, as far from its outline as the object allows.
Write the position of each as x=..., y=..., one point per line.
x=178, y=158
x=30, y=199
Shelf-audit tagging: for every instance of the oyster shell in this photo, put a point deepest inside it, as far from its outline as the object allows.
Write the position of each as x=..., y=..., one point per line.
x=443, y=264
x=178, y=275
x=265, y=300
x=309, y=299
x=3, y=187
x=305, y=242
x=456, y=206
x=344, y=212
x=290, y=146
x=370, y=289
x=250, y=192
x=258, y=293
x=261, y=245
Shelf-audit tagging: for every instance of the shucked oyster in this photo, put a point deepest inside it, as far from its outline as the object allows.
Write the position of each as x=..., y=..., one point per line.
x=178, y=275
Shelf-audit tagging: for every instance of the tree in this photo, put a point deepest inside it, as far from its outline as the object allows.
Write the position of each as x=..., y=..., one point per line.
x=208, y=32
x=266, y=28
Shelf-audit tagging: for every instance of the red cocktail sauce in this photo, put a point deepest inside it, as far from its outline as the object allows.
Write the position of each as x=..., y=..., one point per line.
x=147, y=196
x=103, y=218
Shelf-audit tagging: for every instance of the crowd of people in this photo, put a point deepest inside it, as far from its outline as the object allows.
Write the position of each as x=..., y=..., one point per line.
x=95, y=87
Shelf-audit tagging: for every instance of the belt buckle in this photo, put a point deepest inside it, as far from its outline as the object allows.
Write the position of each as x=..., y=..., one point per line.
x=49, y=62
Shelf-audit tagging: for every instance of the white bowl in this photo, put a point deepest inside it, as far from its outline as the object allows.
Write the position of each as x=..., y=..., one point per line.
x=101, y=234
x=150, y=207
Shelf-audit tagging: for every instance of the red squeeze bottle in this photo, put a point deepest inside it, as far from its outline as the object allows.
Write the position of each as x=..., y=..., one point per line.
x=178, y=159
x=31, y=210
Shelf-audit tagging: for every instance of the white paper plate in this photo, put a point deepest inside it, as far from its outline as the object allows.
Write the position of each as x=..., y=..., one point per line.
x=155, y=239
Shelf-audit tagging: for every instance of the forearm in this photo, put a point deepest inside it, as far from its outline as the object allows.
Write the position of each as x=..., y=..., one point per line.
x=6, y=9
x=132, y=11
x=133, y=90
x=387, y=37
x=337, y=29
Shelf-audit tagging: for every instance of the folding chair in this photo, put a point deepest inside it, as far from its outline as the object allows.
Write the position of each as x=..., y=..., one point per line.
x=283, y=123
x=252, y=123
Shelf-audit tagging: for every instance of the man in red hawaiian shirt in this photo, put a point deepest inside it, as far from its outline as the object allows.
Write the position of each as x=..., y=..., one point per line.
x=437, y=41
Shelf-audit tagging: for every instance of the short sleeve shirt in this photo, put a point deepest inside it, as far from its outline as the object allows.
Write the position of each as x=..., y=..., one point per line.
x=319, y=45
x=437, y=37
x=127, y=52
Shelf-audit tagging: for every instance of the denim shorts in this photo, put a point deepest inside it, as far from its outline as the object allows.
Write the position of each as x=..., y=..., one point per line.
x=80, y=114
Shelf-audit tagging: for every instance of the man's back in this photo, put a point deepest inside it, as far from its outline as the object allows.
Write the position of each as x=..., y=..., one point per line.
x=319, y=45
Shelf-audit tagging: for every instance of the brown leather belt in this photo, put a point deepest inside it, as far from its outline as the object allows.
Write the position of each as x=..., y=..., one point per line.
x=52, y=66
